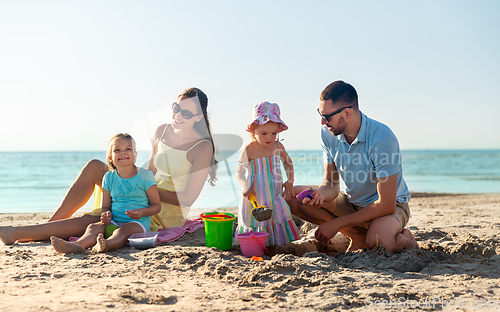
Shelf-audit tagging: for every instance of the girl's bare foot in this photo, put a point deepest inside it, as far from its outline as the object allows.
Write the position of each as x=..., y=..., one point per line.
x=6, y=235
x=100, y=246
x=62, y=246
x=412, y=242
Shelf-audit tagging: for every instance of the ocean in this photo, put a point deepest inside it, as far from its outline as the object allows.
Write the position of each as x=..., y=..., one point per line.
x=37, y=181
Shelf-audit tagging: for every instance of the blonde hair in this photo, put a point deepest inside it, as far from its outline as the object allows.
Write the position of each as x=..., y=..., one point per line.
x=251, y=128
x=124, y=136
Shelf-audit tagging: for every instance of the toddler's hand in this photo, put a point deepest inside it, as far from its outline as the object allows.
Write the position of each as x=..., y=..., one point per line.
x=106, y=217
x=134, y=214
x=247, y=192
x=288, y=193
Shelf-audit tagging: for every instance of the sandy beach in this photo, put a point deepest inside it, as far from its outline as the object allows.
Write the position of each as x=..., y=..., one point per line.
x=457, y=268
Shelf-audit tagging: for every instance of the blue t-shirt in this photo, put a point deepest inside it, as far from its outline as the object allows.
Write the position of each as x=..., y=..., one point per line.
x=128, y=194
x=373, y=154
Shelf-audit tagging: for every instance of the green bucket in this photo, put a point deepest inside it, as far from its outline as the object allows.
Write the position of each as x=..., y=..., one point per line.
x=218, y=229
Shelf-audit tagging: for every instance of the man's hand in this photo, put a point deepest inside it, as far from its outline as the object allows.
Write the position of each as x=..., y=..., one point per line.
x=326, y=231
x=316, y=201
x=106, y=217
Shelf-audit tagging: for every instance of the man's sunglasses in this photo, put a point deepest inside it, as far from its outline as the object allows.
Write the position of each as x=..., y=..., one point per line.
x=186, y=114
x=326, y=117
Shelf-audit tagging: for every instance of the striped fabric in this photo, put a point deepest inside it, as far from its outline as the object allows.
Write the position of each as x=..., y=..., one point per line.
x=265, y=175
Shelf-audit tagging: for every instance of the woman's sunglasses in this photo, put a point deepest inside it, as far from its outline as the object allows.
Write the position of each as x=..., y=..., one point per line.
x=186, y=114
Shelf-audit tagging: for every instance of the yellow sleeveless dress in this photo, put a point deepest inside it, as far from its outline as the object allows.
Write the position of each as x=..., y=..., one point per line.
x=173, y=170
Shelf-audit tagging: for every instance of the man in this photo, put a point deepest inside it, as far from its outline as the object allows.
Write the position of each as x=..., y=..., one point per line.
x=374, y=209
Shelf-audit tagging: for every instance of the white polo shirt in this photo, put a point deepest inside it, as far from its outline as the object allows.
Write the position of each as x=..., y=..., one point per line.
x=373, y=154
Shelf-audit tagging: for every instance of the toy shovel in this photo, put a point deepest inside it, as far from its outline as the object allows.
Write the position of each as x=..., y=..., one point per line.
x=260, y=213
x=306, y=193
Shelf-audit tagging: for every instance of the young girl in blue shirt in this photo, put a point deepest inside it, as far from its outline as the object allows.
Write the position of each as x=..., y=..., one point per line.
x=130, y=197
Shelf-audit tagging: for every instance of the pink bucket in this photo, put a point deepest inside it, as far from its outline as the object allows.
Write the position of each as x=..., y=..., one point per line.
x=252, y=243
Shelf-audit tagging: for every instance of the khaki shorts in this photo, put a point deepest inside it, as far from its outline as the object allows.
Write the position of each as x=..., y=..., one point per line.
x=344, y=207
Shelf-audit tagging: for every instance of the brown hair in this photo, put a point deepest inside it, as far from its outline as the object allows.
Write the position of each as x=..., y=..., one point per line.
x=340, y=92
x=124, y=136
x=204, y=129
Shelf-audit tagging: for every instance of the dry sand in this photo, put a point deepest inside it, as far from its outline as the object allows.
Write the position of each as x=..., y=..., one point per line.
x=457, y=269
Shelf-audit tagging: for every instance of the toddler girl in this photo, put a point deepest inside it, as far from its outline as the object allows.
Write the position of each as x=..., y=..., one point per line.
x=130, y=197
x=259, y=172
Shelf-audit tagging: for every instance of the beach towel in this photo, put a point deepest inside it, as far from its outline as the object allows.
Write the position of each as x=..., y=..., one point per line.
x=172, y=234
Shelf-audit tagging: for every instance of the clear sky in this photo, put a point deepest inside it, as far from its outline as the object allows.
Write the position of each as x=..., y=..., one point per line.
x=74, y=73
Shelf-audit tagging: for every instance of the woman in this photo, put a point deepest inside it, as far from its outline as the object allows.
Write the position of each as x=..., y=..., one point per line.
x=182, y=159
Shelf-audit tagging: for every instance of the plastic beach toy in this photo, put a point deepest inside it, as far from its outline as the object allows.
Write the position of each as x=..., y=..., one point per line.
x=306, y=193
x=110, y=228
x=215, y=216
x=143, y=240
x=260, y=213
x=252, y=243
x=218, y=229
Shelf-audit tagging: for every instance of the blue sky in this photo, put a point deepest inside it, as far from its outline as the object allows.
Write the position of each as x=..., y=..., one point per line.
x=72, y=74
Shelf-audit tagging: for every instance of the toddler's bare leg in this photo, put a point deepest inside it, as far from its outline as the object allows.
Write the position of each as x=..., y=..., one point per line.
x=119, y=237
x=89, y=238
x=100, y=246
x=62, y=246
x=81, y=190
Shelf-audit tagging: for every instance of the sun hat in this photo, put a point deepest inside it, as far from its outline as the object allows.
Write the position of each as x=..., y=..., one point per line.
x=265, y=112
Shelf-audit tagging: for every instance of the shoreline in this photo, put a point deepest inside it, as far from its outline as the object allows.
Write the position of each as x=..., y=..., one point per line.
x=235, y=209
x=459, y=263
x=431, y=194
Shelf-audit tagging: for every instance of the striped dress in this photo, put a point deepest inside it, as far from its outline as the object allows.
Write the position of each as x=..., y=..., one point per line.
x=265, y=176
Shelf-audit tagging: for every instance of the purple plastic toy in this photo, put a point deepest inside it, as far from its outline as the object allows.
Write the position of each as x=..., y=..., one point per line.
x=306, y=193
